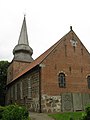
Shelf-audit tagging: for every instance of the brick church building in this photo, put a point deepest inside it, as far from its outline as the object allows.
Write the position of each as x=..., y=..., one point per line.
x=57, y=81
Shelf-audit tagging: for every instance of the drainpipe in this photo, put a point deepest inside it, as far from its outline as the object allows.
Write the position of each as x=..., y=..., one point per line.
x=40, y=89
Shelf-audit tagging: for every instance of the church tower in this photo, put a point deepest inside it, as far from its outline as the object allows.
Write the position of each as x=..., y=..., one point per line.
x=22, y=51
x=22, y=54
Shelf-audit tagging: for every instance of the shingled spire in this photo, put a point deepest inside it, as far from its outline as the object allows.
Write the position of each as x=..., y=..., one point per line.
x=22, y=51
x=23, y=39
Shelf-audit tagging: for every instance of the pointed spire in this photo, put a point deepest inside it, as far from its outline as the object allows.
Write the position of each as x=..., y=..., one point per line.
x=23, y=38
x=22, y=51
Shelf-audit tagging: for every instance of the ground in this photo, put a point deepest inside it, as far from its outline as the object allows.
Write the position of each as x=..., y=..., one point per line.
x=39, y=116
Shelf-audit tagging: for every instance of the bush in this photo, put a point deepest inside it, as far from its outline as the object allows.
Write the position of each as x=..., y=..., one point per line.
x=14, y=112
x=1, y=111
x=70, y=118
x=86, y=115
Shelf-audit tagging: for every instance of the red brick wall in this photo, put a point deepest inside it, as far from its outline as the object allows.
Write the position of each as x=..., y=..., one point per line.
x=74, y=62
x=18, y=67
x=15, y=68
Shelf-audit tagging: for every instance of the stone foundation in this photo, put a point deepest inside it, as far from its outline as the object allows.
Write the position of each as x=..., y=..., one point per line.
x=51, y=103
x=34, y=105
x=65, y=102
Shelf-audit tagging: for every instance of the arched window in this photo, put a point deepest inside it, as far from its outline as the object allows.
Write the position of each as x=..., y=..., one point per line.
x=88, y=81
x=61, y=80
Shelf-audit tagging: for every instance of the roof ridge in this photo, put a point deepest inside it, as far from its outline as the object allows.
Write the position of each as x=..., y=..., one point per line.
x=40, y=59
x=54, y=46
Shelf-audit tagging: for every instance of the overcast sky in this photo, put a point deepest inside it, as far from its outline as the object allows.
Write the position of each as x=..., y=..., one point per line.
x=47, y=21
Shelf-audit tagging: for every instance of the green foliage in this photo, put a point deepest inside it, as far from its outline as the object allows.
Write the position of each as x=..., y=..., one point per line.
x=71, y=118
x=67, y=116
x=73, y=115
x=3, y=77
x=14, y=112
x=87, y=110
x=1, y=111
x=86, y=115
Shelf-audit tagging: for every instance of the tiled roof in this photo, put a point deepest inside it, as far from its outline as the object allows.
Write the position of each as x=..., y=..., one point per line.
x=39, y=59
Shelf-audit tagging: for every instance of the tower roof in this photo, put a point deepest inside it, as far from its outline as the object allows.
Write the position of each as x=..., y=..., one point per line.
x=23, y=38
x=22, y=51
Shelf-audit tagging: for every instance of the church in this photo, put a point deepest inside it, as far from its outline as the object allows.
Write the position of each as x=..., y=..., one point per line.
x=57, y=81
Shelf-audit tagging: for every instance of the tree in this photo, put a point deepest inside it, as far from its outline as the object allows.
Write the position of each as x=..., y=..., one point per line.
x=3, y=78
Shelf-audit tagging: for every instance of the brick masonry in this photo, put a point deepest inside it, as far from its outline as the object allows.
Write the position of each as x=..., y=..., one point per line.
x=73, y=61
x=15, y=68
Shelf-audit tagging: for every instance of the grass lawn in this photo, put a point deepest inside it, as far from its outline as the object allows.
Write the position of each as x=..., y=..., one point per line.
x=66, y=116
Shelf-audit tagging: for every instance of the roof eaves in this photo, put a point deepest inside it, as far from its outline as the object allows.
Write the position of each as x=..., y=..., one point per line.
x=40, y=59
